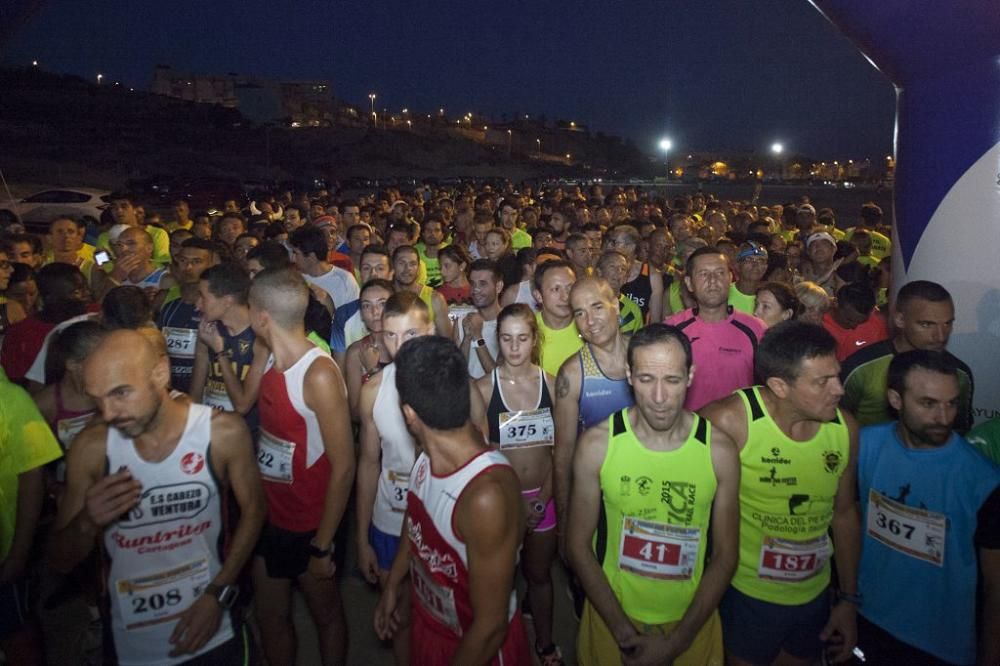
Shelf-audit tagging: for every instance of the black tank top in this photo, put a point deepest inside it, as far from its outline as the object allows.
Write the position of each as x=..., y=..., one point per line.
x=640, y=290
x=497, y=405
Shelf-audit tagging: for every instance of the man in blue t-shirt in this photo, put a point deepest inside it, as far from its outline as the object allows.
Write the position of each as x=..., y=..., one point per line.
x=930, y=511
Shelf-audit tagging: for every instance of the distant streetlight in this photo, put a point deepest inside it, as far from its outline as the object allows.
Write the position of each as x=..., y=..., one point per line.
x=34, y=63
x=777, y=148
x=99, y=77
x=539, y=142
x=371, y=98
x=510, y=142
x=568, y=156
x=665, y=145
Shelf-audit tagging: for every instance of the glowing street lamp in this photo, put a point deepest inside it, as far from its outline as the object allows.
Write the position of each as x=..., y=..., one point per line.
x=371, y=98
x=777, y=148
x=665, y=145
x=34, y=63
x=99, y=77
x=539, y=142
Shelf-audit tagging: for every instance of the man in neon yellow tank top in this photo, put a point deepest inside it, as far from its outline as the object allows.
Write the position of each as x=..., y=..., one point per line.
x=798, y=482
x=649, y=484
x=553, y=281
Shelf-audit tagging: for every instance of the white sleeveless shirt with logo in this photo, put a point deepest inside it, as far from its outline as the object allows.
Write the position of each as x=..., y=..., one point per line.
x=167, y=549
x=398, y=455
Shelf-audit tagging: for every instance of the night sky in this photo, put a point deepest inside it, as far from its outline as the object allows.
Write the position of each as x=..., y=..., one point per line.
x=711, y=74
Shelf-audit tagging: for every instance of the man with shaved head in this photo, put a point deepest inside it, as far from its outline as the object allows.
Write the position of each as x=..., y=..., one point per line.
x=305, y=455
x=591, y=384
x=149, y=481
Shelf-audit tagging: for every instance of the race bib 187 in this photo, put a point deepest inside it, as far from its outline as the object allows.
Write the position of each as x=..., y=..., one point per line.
x=791, y=561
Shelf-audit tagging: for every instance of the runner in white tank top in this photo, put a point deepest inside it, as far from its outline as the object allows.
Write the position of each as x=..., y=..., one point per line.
x=387, y=454
x=158, y=511
x=167, y=548
x=398, y=456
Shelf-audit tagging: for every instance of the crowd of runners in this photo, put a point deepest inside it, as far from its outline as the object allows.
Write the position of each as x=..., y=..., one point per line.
x=706, y=411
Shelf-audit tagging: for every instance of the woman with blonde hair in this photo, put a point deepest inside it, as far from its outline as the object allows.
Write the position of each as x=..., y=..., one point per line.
x=815, y=302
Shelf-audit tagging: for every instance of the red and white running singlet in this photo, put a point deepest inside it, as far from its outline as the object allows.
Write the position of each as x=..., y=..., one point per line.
x=290, y=453
x=439, y=565
x=167, y=549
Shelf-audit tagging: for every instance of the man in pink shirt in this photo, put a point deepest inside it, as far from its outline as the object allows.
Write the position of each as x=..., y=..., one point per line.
x=854, y=322
x=723, y=340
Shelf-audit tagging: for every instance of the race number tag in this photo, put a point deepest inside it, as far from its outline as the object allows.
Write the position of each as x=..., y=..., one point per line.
x=162, y=596
x=525, y=429
x=915, y=532
x=658, y=550
x=180, y=341
x=792, y=561
x=217, y=397
x=274, y=458
x=457, y=312
x=436, y=599
x=399, y=483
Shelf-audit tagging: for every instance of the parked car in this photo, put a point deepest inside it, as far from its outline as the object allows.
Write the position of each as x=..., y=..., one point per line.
x=36, y=211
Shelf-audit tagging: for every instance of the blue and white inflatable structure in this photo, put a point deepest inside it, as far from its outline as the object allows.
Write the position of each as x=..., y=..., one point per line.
x=944, y=60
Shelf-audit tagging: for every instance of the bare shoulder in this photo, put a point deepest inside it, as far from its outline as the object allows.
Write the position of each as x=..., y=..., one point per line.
x=550, y=381
x=228, y=428
x=724, y=451
x=230, y=435
x=90, y=448
x=324, y=375
x=727, y=414
x=568, y=376
x=370, y=389
x=353, y=350
x=492, y=491
x=594, y=438
x=484, y=385
x=45, y=400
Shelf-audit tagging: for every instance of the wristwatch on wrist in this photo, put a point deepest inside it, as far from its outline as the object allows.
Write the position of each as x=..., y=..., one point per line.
x=222, y=352
x=316, y=551
x=480, y=342
x=225, y=594
x=538, y=507
x=856, y=600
